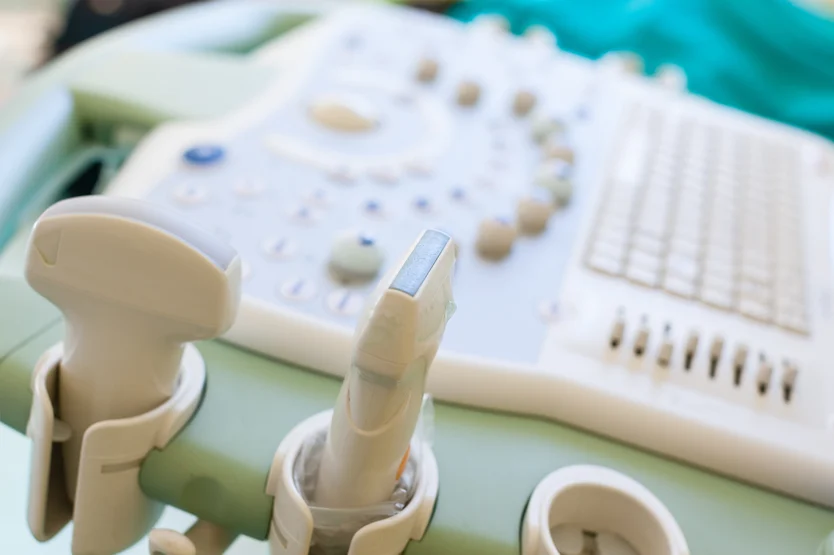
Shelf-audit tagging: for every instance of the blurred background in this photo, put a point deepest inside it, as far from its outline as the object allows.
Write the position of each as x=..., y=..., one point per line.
x=774, y=58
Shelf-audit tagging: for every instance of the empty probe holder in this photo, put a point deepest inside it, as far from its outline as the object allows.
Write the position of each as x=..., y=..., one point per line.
x=292, y=524
x=603, y=500
x=110, y=512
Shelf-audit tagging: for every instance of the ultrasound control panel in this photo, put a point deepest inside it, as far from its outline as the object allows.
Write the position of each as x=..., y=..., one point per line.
x=631, y=259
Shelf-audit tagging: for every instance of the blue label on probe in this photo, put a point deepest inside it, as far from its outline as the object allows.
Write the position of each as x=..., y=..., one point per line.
x=420, y=262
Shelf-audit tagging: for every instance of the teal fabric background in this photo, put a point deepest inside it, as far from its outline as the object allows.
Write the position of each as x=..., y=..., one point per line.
x=769, y=57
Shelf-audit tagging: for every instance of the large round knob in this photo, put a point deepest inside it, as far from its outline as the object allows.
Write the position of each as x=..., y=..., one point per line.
x=344, y=113
x=555, y=177
x=355, y=256
x=495, y=238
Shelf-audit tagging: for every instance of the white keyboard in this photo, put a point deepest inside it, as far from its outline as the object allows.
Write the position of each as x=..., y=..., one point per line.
x=706, y=213
x=678, y=298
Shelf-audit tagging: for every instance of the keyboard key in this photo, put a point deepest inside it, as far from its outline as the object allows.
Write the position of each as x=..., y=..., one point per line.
x=717, y=297
x=606, y=264
x=644, y=260
x=648, y=244
x=794, y=323
x=754, y=309
x=675, y=285
x=684, y=267
x=642, y=276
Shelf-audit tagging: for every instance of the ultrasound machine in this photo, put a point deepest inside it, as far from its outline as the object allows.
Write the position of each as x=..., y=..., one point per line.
x=643, y=310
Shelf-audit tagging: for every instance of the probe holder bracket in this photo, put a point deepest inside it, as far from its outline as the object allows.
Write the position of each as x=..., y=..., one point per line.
x=291, y=527
x=110, y=512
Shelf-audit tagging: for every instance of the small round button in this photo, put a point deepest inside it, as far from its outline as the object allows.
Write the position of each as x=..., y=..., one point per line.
x=343, y=175
x=318, y=197
x=204, y=155
x=423, y=205
x=533, y=213
x=298, y=289
x=495, y=238
x=544, y=126
x=550, y=311
x=355, y=256
x=279, y=248
x=555, y=177
x=249, y=188
x=419, y=167
x=539, y=34
x=347, y=113
x=190, y=194
x=671, y=77
x=459, y=195
x=492, y=22
x=303, y=215
x=558, y=147
x=523, y=102
x=373, y=208
x=628, y=62
x=427, y=70
x=345, y=302
x=387, y=175
x=468, y=93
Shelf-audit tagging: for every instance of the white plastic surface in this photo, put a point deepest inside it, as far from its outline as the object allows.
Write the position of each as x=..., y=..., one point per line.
x=134, y=283
x=110, y=512
x=291, y=528
x=380, y=400
x=605, y=504
x=553, y=363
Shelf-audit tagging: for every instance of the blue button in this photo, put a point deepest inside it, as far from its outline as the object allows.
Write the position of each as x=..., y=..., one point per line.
x=204, y=155
x=366, y=241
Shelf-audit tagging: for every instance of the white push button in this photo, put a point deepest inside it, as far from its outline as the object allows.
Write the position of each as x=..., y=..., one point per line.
x=298, y=289
x=344, y=113
x=495, y=238
x=468, y=93
x=555, y=176
x=191, y=194
x=280, y=248
x=533, y=213
x=345, y=302
x=355, y=256
x=249, y=188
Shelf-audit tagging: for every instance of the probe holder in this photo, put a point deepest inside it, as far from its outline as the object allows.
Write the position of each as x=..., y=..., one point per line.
x=291, y=528
x=110, y=512
x=600, y=499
